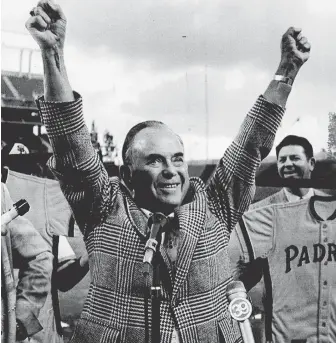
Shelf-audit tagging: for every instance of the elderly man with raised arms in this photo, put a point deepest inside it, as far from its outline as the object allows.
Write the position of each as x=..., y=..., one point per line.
x=113, y=212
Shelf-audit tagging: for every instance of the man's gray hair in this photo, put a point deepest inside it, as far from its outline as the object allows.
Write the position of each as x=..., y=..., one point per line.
x=126, y=149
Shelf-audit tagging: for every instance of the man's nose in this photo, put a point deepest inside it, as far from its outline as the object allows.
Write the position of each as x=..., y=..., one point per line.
x=169, y=170
x=288, y=162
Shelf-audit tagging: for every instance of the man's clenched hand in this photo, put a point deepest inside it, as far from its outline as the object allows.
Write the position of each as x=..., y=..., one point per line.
x=47, y=25
x=295, y=48
x=295, y=51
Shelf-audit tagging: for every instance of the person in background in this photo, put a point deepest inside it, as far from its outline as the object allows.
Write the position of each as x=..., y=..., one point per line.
x=29, y=253
x=297, y=242
x=295, y=162
x=51, y=216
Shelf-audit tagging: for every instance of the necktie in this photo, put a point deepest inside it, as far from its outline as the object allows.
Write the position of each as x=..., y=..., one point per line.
x=155, y=222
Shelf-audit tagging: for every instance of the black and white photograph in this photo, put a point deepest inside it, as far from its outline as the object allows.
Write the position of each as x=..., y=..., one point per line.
x=168, y=171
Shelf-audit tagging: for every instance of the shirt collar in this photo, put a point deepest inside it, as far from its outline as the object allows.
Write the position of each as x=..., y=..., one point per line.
x=149, y=213
x=292, y=197
x=146, y=212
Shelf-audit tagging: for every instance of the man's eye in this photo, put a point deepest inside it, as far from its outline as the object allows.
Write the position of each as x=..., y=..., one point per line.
x=178, y=160
x=155, y=160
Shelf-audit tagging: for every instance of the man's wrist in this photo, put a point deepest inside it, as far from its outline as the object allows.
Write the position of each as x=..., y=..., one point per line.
x=53, y=57
x=52, y=52
x=284, y=79
x=288, y=70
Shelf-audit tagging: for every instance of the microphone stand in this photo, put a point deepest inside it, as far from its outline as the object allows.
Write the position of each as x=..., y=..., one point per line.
x=151, y=269
x=156, y=300
x=240, y=309
x=9, y=302
x=154, y=292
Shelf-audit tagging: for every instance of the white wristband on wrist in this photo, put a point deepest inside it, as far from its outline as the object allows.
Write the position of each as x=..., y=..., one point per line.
x=284, y=79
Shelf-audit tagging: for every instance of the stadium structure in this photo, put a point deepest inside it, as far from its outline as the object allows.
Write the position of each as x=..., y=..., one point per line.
x=24, y=143
x=24, y=147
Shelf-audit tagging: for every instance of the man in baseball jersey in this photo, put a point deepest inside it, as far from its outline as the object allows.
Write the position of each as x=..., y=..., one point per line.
x=51, y=216
x=295, y=161
x=298, y=239
x=23, y=248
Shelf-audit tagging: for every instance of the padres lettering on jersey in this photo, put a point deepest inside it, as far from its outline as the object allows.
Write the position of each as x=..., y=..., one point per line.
x=317, y=253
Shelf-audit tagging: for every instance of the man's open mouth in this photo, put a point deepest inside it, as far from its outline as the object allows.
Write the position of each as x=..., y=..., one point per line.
x=168, y=185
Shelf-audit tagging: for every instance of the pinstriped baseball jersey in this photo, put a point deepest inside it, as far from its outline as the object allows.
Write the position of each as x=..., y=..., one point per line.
x=115, y=229
x=50, y=214
x=299, y=240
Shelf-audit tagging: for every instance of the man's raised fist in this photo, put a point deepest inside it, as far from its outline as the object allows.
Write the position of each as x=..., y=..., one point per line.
x=47, y=25
x=295, y=48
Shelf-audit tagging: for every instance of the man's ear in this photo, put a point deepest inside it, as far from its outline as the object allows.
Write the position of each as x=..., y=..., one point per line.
x=126, y=176
x=312, y=164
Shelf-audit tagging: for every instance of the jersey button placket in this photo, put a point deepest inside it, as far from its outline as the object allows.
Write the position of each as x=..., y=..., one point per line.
x=324, y=287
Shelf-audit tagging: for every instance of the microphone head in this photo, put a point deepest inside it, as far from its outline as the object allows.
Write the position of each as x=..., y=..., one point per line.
x=158, y=218
x=156, y=222
x=240, y=308
x=235, y=289
x=22, y=207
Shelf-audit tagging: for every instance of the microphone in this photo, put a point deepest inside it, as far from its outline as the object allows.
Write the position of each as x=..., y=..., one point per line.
x=156, y=222
x=240, y=309
x=19, y=209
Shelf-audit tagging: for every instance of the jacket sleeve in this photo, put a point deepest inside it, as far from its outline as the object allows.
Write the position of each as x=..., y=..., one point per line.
x=83, y=178
x=232, y=186
x=34, y=261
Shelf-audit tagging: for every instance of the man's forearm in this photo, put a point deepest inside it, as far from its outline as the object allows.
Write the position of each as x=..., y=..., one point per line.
x=277, y=92
x=295, y=51
x=56, y=83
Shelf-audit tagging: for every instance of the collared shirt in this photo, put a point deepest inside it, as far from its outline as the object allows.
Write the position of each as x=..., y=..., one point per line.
x=293, y=197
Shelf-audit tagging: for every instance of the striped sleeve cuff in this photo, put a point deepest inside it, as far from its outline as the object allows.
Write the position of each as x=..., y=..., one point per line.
x=267, y=114
x=61, y=118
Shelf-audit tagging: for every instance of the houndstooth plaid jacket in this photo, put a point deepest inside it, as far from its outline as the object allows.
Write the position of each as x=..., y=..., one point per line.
x=115, y=233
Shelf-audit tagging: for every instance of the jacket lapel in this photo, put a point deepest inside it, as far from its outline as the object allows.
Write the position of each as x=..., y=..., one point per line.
x=191, y=219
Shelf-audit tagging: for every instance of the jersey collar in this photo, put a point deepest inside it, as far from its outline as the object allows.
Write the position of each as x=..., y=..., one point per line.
x=321, y=198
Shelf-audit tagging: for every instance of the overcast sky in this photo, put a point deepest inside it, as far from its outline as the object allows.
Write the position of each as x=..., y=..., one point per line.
x=150, y=59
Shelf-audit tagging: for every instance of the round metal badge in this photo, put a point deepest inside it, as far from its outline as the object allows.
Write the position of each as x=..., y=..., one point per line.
x=240, y=309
